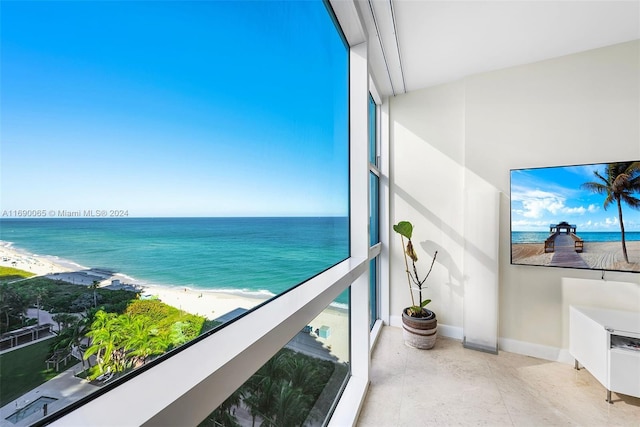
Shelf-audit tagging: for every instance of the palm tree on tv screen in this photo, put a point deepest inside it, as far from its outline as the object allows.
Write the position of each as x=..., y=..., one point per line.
x=619, y=183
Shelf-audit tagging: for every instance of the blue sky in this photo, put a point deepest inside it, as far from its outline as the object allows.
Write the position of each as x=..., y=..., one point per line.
x=544, y=196
x=173, y=108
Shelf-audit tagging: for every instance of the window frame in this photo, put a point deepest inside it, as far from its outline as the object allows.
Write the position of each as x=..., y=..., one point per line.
x=186, y=387
x=374, y=223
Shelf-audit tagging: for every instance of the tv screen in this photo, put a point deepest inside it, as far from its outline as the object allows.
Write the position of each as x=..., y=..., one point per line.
x=581, y=216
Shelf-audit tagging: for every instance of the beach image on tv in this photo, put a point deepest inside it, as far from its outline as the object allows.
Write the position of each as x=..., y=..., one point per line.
x=582, y=216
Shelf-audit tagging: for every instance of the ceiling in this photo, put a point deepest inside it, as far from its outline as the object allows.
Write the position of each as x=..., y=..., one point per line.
x=426, y=43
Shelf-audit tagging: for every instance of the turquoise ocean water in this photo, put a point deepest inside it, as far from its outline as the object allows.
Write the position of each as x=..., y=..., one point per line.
x=249, y=256
x=540, y=237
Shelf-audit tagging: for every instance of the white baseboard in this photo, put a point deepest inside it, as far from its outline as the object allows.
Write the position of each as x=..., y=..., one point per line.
x=454, y=332
x=554, y=354
x=395, y=321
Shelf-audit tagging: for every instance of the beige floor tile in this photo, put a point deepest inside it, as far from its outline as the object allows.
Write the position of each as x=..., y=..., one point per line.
x=453, y=386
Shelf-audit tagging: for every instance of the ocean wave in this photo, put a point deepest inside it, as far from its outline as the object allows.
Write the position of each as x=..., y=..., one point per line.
x=199, y=254
x=63, y=262
x=129, y=279
x=261, y=293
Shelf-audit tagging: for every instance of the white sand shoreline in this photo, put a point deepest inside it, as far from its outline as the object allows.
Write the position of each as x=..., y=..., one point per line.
x=211, y=304
x=597, y=255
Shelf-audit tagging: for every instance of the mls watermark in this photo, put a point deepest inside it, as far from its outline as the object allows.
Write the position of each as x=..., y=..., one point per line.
x=64, y=213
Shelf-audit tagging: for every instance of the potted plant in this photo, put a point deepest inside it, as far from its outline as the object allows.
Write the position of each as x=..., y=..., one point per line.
x=419, y=325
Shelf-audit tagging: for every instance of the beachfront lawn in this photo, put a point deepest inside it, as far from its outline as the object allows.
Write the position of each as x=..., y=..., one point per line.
x=9, y=274
x=24, y=369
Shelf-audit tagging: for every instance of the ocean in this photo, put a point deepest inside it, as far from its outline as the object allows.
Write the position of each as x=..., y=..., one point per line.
x=249, y=256
x=601, y=236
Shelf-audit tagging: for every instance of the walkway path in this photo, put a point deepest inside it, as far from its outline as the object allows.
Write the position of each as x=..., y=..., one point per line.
x=564, y=254
x=66, y=388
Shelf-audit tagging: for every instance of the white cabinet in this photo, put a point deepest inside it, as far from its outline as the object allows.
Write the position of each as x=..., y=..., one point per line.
x=607, y=344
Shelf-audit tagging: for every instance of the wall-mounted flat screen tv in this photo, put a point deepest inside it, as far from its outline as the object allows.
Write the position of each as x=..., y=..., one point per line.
x=581, y=216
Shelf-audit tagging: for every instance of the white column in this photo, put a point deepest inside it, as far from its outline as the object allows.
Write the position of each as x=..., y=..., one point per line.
x=481, y=237
x=359, y=175
x=347, y=410
x=385, y=203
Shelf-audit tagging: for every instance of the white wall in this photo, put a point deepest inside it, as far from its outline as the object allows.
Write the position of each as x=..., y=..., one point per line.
x=575, y=109
x=427, y=157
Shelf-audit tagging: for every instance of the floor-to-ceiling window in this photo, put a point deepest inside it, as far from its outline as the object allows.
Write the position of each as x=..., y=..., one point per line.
x=193, y=163
x=300, y=384
x=374, y=209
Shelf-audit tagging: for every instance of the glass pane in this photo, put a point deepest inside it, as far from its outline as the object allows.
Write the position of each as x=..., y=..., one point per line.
x=183, y=185
x=300, y=384
x=374, y=206
x=373, y=137
x=373, y=291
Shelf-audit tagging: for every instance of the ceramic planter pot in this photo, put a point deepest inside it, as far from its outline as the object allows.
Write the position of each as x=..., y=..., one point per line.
x=419, y=332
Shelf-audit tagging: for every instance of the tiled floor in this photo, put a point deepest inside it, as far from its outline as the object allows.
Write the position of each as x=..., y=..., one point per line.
x=450, y=385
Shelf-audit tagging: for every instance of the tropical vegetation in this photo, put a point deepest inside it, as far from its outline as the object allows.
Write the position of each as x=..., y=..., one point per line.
x=146, y=329
x=618, y=184
x=111, y=330
x=115, y=332
x=286, y=391
x=54, y=296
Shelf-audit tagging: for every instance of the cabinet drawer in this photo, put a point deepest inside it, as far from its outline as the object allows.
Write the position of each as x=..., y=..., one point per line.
x=624, y=371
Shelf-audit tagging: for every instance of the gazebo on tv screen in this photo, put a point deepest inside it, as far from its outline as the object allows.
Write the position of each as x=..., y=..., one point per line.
x=581, y=216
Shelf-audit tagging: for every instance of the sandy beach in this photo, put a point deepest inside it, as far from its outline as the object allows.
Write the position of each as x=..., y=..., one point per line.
x=40, y=266
x=214, y=305
x=209, y=304
x=597, y=255
x=530, y=254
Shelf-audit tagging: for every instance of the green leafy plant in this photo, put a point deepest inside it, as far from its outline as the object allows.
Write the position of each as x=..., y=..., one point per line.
x=405, y=229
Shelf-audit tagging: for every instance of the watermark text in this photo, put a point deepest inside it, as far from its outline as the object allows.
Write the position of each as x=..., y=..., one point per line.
x=65, y=213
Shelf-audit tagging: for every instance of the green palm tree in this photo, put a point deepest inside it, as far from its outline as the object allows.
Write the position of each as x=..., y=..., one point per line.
x=261, y=398
x=290, y=407
x=13, y=305
x=38, y=295
x=144, y=339
x=95, y=285
x=302, y=375
x=71, y=330
x=64, y=320
x=78, y=331
x=120, y=330
x=103, y=339
x=619, y=183
x=224, y=415
x=276, y=368
x=263, y=386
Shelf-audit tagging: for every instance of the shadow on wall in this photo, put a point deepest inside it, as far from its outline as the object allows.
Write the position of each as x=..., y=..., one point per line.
x=452, y=233
x=455, y=280
x=455, y=275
